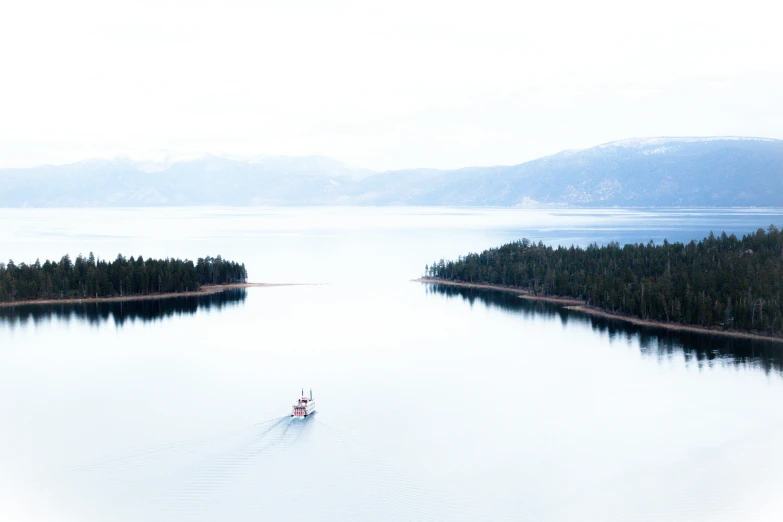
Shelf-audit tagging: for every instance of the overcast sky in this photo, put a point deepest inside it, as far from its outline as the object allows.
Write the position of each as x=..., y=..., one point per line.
x=381, y=85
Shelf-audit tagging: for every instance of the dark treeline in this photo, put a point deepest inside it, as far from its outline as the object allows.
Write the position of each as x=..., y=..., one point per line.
x=87, y=277
x=719, y=282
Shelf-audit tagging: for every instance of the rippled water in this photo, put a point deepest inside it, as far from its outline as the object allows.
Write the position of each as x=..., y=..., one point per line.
x=434, y=403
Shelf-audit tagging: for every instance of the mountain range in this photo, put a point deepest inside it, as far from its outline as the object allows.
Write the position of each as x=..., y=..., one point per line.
x=646, y=172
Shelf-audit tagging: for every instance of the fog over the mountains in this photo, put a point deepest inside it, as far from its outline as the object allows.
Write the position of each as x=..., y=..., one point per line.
x=662, y=172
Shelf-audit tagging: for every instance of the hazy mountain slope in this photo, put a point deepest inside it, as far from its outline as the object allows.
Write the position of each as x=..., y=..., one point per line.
x=653, y=172
x=205, y=181
x=642, y=172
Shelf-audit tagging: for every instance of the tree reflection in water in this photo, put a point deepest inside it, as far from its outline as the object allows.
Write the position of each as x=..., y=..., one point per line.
x=145, y=310
x=659, y=342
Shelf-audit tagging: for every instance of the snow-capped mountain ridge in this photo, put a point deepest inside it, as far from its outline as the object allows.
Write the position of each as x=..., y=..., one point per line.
x=663, y=172
x=662, y=140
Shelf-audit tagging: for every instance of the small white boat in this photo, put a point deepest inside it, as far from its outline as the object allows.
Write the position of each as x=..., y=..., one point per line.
x=304, y=406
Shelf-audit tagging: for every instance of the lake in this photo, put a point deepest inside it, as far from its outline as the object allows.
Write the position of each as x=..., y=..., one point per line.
x=433, y=403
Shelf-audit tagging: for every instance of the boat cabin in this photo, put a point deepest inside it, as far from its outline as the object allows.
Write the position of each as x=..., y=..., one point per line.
x=304, y=406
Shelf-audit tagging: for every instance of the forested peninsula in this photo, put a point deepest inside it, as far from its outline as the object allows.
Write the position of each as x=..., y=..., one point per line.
x=91, y=278
x=721, y=283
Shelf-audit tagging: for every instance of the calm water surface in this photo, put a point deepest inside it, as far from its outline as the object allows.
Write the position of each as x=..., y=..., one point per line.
x=433, y=403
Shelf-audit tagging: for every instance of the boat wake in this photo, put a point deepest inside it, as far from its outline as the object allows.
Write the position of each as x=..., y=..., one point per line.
x=174, y=480
x=281, y=469
x=219, y=475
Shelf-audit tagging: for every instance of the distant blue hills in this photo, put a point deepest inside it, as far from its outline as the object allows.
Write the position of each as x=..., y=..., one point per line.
x=645, y=172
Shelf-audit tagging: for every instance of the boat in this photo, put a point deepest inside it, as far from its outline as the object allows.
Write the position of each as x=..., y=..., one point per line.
x=304, y=406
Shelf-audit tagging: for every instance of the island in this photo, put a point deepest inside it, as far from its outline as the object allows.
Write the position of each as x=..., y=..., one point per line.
x=721, y=284
x=89, y=278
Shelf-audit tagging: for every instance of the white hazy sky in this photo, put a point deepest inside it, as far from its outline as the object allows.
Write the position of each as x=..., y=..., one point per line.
x=381, y=84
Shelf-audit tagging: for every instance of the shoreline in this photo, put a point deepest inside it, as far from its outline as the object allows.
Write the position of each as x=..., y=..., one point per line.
x=523, y=294
x=589, y=310
x=576, y=305
x=205, y=290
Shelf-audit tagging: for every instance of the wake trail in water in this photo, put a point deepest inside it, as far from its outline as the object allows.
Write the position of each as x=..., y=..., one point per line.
x=211, y=482
x=261, y=471
x=138, y=456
